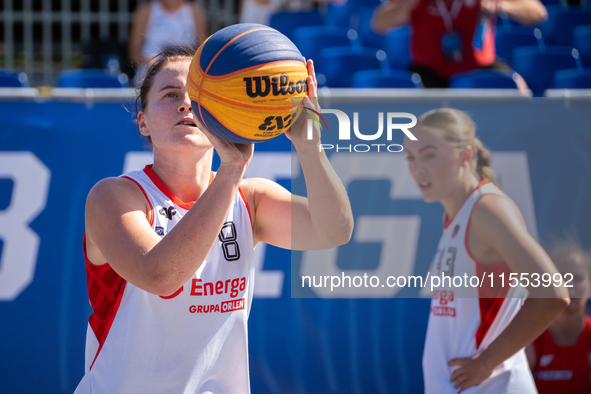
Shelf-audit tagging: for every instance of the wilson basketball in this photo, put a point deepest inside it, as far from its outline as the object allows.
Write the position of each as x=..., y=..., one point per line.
x=243, y=81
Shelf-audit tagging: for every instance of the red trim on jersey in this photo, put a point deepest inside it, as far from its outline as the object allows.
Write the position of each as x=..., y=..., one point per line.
x=245, y=203
x=490, y=298
x=446, y=221
x=160, y=185
x=145, y=195
x=176, y=293
x=105, y=291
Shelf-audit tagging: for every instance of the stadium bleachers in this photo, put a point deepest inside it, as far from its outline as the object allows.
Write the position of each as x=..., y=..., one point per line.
x=91, y=78
x=13, y=79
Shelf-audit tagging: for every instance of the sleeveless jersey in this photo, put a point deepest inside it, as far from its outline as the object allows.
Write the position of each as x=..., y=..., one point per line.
x=167, y=29
x=192, y=341
x=563, y=369
x=461, y=322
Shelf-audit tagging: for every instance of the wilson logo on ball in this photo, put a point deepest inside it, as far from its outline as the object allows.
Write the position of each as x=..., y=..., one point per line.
x=280, y=85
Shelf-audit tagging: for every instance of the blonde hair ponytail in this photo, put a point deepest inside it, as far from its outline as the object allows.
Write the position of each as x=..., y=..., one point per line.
x=482, y=159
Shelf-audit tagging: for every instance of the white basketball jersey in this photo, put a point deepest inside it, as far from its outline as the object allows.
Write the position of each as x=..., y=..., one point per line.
x=462, y=322
x=192, y=341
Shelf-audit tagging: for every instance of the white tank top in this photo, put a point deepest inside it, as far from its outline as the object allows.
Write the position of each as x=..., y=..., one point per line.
x=461, y=322
x=167, y=29
x=192, y=341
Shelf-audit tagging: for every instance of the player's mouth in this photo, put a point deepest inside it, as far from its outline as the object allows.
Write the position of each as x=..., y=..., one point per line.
x=186, y=122
x=424, y=186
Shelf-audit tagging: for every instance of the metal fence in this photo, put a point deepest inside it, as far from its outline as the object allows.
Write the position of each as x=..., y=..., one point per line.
x=44, y=37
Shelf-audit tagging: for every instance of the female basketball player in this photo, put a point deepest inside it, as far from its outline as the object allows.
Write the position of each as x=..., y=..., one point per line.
x=471, y=340
x=169, y=249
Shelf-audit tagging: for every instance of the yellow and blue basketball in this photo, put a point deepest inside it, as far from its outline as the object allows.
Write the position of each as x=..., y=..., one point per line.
x=244, y=81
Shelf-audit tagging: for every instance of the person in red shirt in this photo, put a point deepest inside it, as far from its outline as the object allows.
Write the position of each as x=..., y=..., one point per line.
x=451, y=36
x=560, y=359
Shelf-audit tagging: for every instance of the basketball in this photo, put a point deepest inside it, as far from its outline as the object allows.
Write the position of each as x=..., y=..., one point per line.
x=243, y=81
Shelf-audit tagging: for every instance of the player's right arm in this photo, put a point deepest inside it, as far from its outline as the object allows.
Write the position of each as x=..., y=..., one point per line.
x=391, y=14
x=118, y=232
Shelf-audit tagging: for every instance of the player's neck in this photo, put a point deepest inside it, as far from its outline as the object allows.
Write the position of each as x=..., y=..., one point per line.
x=566, y=330
x=186, y=179
x=456, y=199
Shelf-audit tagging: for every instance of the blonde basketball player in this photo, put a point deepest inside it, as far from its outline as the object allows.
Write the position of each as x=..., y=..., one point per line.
x=169, y=249
x=475, y=344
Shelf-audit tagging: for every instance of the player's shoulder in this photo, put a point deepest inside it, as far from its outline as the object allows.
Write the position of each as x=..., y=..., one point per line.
x=258, y=186
x=493, y=210
x=115, y=191
x=257, y=190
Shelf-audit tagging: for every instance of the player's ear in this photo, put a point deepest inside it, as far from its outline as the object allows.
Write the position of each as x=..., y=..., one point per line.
x=468, y=155
x=142, y=123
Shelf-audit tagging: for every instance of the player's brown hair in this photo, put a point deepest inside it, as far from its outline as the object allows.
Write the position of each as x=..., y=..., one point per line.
x=459, y=130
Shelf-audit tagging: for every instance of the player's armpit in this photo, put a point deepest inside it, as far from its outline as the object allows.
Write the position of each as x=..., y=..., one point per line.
x=117, y=229
x=284, y=220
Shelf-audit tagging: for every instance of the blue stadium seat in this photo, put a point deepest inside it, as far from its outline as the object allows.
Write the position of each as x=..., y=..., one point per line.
x=397, y=47
x=573, y=79
x=537, y=66
x=91, y=78
x=361, y=22
x=287, y=22
x=510, y=37
x=386, y=79
x=13, y=79
x=311, y=40
x=558, y=29
x=482, y=79
x=340, y=63
x=582, y=41
x=551, y=2
x=340, y=15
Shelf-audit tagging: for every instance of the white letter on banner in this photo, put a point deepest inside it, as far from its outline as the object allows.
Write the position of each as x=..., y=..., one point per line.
x=344, y=123
x=20, y=243
x=404, y=126
x=398, y=234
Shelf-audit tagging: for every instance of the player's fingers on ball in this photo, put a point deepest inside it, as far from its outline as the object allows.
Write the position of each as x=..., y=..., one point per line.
x=312, y=70
x=311, y=86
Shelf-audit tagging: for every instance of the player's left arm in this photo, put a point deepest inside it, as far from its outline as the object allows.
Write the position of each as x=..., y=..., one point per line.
x=524, y=12
x=322, y=220
x=498, y=224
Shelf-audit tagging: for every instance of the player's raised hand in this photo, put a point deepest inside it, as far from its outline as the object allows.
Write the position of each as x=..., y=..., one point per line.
x=230, y=153
x=298, y=132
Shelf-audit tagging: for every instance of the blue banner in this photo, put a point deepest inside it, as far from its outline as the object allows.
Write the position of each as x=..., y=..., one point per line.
x=52, y=153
